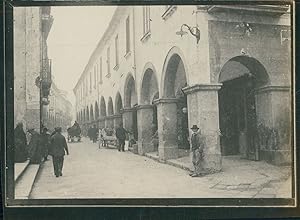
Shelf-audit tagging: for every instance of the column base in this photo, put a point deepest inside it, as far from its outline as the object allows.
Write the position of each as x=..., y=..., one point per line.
x=144, y=148
x=167, y=153
x=276, y=157
x=212, y=163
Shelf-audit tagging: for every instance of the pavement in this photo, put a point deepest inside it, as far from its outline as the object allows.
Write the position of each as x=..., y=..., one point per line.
x=90, y=172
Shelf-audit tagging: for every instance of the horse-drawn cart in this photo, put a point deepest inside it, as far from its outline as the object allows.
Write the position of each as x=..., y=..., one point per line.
x=74, y=133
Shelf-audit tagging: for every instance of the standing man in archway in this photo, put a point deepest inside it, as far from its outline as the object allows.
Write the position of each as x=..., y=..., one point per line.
x=121, y=136
x=197, y=145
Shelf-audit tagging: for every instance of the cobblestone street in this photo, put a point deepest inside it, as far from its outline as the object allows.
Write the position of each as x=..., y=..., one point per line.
x=90, y=172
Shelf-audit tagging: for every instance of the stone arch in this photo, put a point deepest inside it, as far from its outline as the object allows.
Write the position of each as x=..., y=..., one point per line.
x=174, y=62
x=243, y=65
x=149, y=84
x=130, y=95
x=174, y=79
x=239, y=112
x=118, y=103
x=102, y=107
x=110, y=107
x=96, y=110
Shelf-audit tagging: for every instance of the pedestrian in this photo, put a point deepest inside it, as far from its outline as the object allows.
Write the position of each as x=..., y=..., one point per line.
x=197, y=145
x=45, y=143
x=20, y=143
x=94, y=134
x=35, y=148
x=58, y=148
x=121, y=136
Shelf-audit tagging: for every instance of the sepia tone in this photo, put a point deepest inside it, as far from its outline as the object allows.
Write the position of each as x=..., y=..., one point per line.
x=163, y=75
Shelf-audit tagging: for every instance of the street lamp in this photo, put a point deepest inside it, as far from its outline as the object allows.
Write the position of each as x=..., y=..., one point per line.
x=193, y=30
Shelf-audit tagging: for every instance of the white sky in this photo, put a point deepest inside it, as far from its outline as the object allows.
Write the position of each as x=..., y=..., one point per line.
x=75, y=32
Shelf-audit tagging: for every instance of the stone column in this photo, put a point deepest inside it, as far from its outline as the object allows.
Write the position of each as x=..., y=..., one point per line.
x=167, y=128
x=109, y=122
x=203, y=111
x=273, y=113
x=102, y=122
x=127, y=116
x=145, y=118
x=117, y=120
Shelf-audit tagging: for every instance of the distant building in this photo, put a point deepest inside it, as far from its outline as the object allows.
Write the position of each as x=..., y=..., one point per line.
x=232, y=78
x=59, y=111
x=32, y=68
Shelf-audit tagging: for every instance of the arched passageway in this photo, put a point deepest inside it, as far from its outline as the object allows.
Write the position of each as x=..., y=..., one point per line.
x=102, y=112
x=92, y=114
x=175, y=79
x=96, y=111
x=109, y=122
x=147, y=112
x=241, y=76
x=130, y=103
x=118, y=109
x=87, y=114
x=110, y=107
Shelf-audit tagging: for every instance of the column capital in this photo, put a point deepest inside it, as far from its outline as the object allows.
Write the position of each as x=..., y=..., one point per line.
x=201, y=87
x=165, y=100
x=146, y=106
x=109, y=117
x=271, y=88
x=117, y=115
x=127, y=110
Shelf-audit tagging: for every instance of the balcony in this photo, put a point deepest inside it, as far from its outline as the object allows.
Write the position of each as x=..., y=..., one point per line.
x=46, y=79
x=273, y=10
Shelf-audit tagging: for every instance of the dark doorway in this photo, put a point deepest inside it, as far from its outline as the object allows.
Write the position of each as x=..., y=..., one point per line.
x=182, y=121
x=135, y=123
x=238, y=117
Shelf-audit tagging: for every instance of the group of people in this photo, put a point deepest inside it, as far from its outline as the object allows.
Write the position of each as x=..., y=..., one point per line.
x=197, y=143
x=40, y=146
x=120, y=134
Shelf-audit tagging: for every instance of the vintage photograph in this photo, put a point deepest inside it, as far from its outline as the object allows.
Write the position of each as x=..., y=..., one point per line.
x=153, y=101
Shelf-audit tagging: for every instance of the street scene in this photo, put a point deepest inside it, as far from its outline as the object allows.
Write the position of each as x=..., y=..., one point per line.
x=158, y=101
x=90, y=172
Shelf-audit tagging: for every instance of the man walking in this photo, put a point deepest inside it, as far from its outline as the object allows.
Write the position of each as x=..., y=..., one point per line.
x=121, y=136
x=45, y=139
x=94, y=134
x=197, y=145
x=59, y=146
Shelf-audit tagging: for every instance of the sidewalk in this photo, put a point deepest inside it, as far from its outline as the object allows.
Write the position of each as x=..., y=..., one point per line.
x=90, y=172
x=256, y=179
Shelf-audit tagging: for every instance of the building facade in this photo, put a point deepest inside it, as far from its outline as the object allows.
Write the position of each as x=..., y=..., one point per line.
x=32, y=67
x=226, y=69
x=58, y=113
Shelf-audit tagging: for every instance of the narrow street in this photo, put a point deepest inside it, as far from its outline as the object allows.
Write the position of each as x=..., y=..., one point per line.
x=90, y=172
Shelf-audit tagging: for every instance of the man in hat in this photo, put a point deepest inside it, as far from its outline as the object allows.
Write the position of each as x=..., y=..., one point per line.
x=35, y=150
x=197, y=145
x=45, y=139
x=121, y=136
x=58, y=148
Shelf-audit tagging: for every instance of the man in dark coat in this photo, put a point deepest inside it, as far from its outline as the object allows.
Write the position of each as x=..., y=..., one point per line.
x=94, y=133
x=58, y=148
x=20, y=143
x=121, y=136
x=45, y=139
x=197, y=146
x=35, y=151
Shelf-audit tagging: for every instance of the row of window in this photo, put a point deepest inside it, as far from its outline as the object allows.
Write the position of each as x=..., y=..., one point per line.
x=88, y=84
